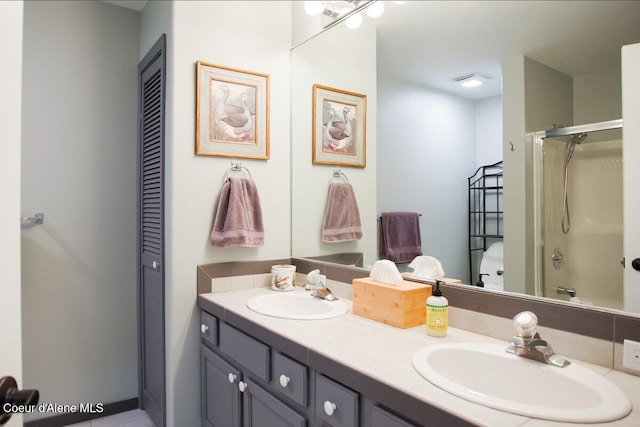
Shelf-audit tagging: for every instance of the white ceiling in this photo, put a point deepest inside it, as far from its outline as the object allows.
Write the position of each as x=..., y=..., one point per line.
x=432, y=42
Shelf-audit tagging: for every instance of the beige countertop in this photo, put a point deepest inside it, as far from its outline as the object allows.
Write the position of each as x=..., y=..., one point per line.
x=384, y=354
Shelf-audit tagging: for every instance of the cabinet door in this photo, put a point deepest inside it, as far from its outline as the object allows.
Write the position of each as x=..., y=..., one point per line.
x=220, y=394
x=261, y=409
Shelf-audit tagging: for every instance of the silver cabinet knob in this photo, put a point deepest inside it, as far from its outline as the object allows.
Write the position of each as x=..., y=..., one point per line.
x=329, y=407
x=242, y=386
x=155, y=265
x=204, y=328
x=232, y=378
x=284, y=380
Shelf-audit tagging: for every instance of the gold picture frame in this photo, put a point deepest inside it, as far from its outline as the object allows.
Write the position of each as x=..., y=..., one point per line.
x=232, y=112
x=339, y=127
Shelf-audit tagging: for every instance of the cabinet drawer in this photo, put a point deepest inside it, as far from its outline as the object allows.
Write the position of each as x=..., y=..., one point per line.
x=290, y=378
x=209, y=328
x=382, y=418
x=336, y=404
x=250, y=353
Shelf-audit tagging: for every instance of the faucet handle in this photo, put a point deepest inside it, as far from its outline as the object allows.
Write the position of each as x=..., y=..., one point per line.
x=313, y=277
x=525, y=323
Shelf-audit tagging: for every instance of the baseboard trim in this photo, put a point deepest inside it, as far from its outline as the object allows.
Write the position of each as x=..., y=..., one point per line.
x=66, y=419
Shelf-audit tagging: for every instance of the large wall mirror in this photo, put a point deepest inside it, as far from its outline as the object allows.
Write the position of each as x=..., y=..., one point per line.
x=427, y=134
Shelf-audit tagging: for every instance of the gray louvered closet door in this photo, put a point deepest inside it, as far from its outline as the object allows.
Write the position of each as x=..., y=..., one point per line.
x=151, y=234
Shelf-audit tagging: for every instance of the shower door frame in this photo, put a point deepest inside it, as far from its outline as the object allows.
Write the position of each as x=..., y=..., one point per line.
x=538, y=188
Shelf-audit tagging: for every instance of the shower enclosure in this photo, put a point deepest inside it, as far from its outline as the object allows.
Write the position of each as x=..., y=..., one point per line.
x=578, y=224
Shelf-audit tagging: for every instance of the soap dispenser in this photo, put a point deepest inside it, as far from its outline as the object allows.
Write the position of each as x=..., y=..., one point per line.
x=437, y=312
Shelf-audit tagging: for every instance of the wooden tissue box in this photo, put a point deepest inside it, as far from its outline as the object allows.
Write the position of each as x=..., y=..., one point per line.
x=400, y=305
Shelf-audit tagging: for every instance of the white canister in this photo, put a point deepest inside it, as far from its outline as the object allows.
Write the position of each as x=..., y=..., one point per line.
x=283, y=277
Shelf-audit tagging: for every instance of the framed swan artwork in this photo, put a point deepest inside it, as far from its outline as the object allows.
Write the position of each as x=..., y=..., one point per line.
x=339, y=126
x=232, y=112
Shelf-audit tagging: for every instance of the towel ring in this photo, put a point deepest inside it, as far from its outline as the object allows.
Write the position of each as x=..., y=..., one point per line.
x=337, y=173
x=236, y=167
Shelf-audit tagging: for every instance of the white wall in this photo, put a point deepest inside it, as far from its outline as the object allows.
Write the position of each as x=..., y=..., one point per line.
x=534, y=98
x=227, y=33
x=597, y=96
x=514, y=149
x=631, y=154
x=548, y=97
x=11, y=24
x=488, y=131
x=78, y=167
x=424, y=165
x=336, y=59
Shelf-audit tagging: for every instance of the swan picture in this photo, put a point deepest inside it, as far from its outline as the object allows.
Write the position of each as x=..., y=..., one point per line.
x=339, y=122
x=232, y=113
x=339, y=128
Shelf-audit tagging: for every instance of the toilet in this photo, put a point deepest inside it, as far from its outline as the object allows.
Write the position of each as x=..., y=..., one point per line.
x=492, y=263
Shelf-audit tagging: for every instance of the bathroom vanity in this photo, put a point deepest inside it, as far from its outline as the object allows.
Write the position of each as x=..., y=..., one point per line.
x=256, y=371
x=344, y=371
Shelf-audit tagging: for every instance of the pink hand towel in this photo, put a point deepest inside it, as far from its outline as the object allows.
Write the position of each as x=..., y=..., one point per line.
x=341, y=217
x=238, y=220
x=400, y=236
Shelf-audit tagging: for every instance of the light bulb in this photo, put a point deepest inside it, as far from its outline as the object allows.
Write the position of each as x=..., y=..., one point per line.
x=313, y=7
x=354, y=21
x=471, y=82
x=376, y=9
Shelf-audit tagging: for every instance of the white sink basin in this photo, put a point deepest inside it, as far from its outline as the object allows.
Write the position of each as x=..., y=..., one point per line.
x=297, y=305
x=486, y=374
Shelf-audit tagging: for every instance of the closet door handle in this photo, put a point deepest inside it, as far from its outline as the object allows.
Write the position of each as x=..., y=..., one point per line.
x=156, y=265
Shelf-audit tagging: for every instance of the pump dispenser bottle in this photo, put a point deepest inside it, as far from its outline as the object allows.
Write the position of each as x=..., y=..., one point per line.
x=437, y=312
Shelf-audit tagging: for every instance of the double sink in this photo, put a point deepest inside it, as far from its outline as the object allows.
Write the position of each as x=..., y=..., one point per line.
x=484, y=373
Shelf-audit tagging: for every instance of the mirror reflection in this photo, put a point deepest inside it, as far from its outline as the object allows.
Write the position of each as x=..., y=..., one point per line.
x=541, y=64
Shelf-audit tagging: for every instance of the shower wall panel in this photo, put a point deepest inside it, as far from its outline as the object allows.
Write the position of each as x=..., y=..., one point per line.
x=592, y=249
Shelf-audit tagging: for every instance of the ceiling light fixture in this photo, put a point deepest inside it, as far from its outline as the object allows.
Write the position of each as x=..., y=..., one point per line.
x=354, y=21
x=333, y=11
x=376, y=9
x=471, y=80
x=313, y=7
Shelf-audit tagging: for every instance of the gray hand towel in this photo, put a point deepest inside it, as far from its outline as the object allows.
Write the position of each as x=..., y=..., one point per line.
x=238, y=220
x=400, y=236
x=341, y=217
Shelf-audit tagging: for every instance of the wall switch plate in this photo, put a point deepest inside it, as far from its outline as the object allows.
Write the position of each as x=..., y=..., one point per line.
x=631, y=355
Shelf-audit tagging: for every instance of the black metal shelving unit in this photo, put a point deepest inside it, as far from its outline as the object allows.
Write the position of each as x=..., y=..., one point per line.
x=485, y=213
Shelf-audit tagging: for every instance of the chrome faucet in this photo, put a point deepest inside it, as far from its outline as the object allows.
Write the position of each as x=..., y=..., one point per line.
x=529, y=344
x=316, y=283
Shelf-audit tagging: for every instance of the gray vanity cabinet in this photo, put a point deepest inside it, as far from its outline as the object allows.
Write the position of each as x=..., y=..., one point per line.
x=234, y=368
x=247, y=383
x=221, y=404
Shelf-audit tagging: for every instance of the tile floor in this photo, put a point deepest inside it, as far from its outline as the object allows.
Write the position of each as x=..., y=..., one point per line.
x=135, y=418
